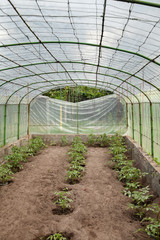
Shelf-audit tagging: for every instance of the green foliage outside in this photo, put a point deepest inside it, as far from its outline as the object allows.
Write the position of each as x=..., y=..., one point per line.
x=77, y=94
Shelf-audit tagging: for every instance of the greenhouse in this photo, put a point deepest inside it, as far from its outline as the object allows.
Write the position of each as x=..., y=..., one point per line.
x=111, y=45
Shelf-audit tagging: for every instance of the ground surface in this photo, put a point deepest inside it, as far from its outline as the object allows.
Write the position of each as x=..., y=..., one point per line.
x=99, y=205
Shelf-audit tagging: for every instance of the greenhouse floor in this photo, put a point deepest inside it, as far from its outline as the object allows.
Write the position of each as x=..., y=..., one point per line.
x=100, y=209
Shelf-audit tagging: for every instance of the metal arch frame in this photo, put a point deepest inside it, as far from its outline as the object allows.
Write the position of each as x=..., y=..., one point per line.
x=72, y=71
x=141, y=3
x=88, y=80
x=80, y=43
x=103, y=46
x=50, y=62
x=89, y=72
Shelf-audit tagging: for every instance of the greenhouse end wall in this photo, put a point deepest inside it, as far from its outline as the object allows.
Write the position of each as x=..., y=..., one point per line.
x=102, y=115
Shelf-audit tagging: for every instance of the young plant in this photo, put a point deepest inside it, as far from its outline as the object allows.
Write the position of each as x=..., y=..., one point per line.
x=153, y=228
x=130, y=174
x=117, y=140
x=15, y=160
x=77, y=168
x=140, y=199
x=120, y=164
x=5, y=173
x=119, y=157
x=75, y=156
x=103, y=140
x=79, y=148
x=36, y=144
x=56, y=236
x=64, y=141
x=117, y=150
x=91, y=140
x=130, y=187
x=73, y=176
x=76, y=140
x=63, y=200
x=78, y=161
x=53, y=143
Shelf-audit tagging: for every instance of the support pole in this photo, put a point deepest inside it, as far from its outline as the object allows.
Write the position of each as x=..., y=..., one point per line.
x=28, y=109
x=152, y=135
x=18, y=127
x=5, y=123
x=132, y=121
x=140, y=124
x=61, y=118
x=127, y=115
x=77, y=114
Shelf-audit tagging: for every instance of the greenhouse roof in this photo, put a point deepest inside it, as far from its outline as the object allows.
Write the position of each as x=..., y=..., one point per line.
x=108, y=44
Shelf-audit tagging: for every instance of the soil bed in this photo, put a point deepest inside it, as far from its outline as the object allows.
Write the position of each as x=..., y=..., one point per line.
x=100, y=208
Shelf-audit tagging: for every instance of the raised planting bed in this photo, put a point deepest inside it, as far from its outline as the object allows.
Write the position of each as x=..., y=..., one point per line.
x=41, y=202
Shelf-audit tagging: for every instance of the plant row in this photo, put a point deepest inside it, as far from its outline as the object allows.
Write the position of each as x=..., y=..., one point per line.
x=14, y=161
x=92, y=141
x=141, y=198
x=75, y=172
x=77, y=161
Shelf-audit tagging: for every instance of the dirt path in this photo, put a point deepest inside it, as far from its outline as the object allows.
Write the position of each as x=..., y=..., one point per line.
x=100, y=207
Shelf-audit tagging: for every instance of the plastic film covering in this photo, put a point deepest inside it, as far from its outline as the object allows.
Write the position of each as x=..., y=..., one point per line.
x=23, y=120
x=111, y=44
x=136, y=122
x=108, y=44
x=103, y=115
x=11, y=123
x=156, y=129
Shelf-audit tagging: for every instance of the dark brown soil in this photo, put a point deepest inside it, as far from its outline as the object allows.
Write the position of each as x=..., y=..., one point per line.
x=100, y=208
